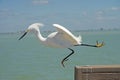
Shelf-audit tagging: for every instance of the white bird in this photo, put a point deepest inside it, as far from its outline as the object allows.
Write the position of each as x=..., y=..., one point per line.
x=62, y=38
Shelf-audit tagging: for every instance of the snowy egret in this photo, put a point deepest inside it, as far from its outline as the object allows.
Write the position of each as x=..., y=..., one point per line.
x=63, y=38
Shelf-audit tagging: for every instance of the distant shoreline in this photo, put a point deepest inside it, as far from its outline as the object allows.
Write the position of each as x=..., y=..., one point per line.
x=48, y=31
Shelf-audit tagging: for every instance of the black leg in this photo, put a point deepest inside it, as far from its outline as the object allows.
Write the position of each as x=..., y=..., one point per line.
x=66, y=58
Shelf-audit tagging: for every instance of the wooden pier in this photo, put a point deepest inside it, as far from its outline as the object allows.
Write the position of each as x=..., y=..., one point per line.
x=98, y=72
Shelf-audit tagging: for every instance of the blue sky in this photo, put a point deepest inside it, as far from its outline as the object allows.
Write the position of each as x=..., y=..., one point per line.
x=17, y=15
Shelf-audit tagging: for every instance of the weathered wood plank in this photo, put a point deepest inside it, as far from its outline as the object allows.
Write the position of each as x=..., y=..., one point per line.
x=98, y=72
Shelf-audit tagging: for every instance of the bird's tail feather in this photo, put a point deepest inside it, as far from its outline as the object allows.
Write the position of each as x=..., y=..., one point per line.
x=79, y=38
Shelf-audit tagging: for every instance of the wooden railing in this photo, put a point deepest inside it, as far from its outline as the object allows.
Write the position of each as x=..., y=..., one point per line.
x=98, y=72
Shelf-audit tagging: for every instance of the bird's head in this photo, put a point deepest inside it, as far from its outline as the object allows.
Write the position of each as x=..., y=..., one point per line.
x=32, y=28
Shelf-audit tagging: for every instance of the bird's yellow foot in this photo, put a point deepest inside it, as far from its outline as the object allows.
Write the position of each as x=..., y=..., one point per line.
x=99, y=44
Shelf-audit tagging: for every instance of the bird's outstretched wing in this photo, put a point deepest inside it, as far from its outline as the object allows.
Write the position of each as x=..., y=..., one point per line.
x=66, y=34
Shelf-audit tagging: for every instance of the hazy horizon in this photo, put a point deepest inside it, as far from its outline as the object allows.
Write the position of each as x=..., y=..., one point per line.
x=17, y=15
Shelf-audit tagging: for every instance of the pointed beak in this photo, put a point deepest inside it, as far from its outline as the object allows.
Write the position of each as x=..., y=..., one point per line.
x=23, y=35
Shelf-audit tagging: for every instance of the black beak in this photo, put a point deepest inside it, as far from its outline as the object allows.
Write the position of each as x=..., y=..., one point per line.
x=22, y=35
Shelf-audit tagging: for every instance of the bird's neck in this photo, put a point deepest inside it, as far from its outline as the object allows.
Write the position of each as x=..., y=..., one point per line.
x=39, y=36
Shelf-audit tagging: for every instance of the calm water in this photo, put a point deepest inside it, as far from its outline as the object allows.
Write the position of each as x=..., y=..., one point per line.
x=28, y=59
